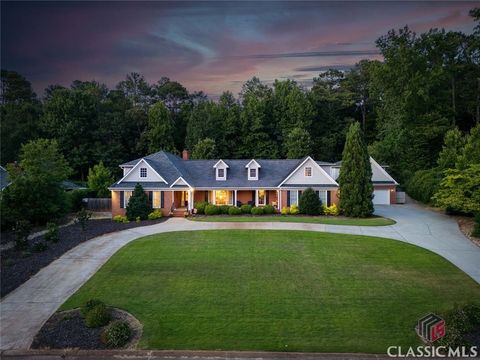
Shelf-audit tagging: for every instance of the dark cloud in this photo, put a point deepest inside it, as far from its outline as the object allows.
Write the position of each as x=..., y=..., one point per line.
x=316, y=54
x=318, y=68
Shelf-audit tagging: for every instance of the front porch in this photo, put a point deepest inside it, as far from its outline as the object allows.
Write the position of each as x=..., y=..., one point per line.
x=259, y=197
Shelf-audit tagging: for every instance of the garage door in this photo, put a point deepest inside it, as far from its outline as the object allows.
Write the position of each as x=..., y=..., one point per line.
x=381, y=197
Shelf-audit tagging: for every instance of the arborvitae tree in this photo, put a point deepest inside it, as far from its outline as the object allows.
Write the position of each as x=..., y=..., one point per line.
x=309, y=203
x=298, y=144
x=205, y=149
x=355, y=178
x=139, y=205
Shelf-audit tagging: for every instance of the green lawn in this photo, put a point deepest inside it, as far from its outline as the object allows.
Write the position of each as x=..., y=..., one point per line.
x=329, y=220
x=277, y=290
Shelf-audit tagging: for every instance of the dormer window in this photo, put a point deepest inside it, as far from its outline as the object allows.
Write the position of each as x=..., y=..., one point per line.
x=143, y=172
x=252, y=170
x=308, y=171
x=220, y=170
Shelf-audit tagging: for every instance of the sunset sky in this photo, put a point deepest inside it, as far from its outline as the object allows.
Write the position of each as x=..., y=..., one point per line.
x=209, y=46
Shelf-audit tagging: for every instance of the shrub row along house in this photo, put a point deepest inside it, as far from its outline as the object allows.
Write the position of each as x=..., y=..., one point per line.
x=175, y=184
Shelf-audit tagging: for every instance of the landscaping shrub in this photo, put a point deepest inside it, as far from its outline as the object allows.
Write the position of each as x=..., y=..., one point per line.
x=74, y=199
x=99, y=179
x=23, y=228
x=331, y=210
x=234, y=210
x=100, y=315
x=116, y=334
x=460, y=321
x=309, y=203
x=52, y=232
x=137, y=219
x=424, y=184
x=285, y=210
x=294, y=210
x=139, y=205
x=39, y=247
x=120, y=219
x=200, y=206
x=246, y=209
x=89, y=305
x=155, y=214
x=212, y=210
x=82, y=218
x=268, y=209
x=224, y=209
x=257, y=211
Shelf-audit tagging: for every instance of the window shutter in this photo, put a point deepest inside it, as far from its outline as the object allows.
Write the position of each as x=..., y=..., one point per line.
x=288, y=198
x=206, y=196
x=328, y=198
x=299, y=194
x=150, y=197
x=253, y=195
x=122, y=199
x=162, y=199
x=266, y=198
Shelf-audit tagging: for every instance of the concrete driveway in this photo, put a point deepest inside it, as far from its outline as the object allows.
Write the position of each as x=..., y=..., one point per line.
x=24, y=310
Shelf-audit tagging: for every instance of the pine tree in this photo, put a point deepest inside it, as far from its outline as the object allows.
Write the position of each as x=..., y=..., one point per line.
x=355, y=178
x=453, y=144
x=205, y=149
x=160, y=129
x=298, y=144
x=139, y=205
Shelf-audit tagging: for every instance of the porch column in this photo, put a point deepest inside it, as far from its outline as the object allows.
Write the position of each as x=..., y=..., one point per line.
x=279, y=200
x=235, y=198
x=256, y=197
x=190, y=197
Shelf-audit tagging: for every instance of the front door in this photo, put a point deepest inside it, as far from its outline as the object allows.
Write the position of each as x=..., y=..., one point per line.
x=181, y=199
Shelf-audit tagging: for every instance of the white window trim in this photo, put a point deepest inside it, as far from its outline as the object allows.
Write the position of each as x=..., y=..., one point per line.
x=257, y=197
x=252, y=164
x=146, y=172
x=224, y=177
x=252, y=177
x=290, y=197
x=305, y=171
x=159, y=199
x=125, y=200
x=333, y=182
x=142, y=161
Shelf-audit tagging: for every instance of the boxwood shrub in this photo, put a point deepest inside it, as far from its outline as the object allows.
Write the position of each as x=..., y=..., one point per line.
x=257, y=211
x=89, y=305
x=224, y=209
x=212, y=210
x=116, y=334
x=268, y=209
x=234, y=210
x=100, y=315
x=200, y=206
x=246, y=209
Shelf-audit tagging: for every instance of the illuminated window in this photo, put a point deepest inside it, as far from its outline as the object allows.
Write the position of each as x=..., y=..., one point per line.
x=223, y=197
x=261, y=197
x=156, y=200
x=308, y=171
x=143, y=172
x=126, y=198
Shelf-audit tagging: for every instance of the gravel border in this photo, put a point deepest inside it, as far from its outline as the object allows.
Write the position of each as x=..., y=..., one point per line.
x=67, y=330
x=17, y=266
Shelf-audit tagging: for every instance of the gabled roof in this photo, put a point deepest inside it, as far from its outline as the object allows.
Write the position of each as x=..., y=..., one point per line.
x=220, y=162
x=254, y=162
x=4, y=181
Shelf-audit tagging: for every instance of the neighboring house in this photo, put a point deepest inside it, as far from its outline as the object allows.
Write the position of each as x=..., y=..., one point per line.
x=4, y=181
x=177, y=183
x=70, y=186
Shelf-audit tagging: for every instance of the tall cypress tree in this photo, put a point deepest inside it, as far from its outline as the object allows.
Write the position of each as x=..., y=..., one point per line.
x=355, y=178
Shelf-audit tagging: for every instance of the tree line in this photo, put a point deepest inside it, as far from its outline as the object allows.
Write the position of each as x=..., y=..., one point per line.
x=426, y=85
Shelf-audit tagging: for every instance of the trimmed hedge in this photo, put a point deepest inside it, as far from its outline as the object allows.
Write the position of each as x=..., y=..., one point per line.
x=424, y=184
x=257, y=211
x=234, y=210
x=212, y=210
x=268, y=209
x=246, y=209
x=224, y=209
x=200, y=206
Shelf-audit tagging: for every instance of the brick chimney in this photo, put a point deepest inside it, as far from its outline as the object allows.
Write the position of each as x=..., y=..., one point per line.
x=186, y=154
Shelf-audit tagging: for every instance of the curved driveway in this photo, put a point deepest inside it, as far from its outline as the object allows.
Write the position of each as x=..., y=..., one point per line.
x=24, y=310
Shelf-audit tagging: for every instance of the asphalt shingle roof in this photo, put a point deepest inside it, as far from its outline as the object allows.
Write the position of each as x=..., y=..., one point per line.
x=4, y=182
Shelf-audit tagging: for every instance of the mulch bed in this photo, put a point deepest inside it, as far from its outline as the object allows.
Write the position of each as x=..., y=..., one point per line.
x=17, y=266
x=66, y=330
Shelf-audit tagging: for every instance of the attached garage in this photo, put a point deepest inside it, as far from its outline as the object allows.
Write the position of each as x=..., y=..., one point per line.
x=381, y=197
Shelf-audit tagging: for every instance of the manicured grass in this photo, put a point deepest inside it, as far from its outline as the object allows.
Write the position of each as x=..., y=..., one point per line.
x=277, y=290
x=328, y=220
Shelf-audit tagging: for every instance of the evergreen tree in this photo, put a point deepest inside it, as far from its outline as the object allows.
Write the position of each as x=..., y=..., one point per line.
x=139, y=205
x=355, y=178
x=309, y=203
x=205, y=149
x=99, y=179
x=298, y=144
x=471, y=152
